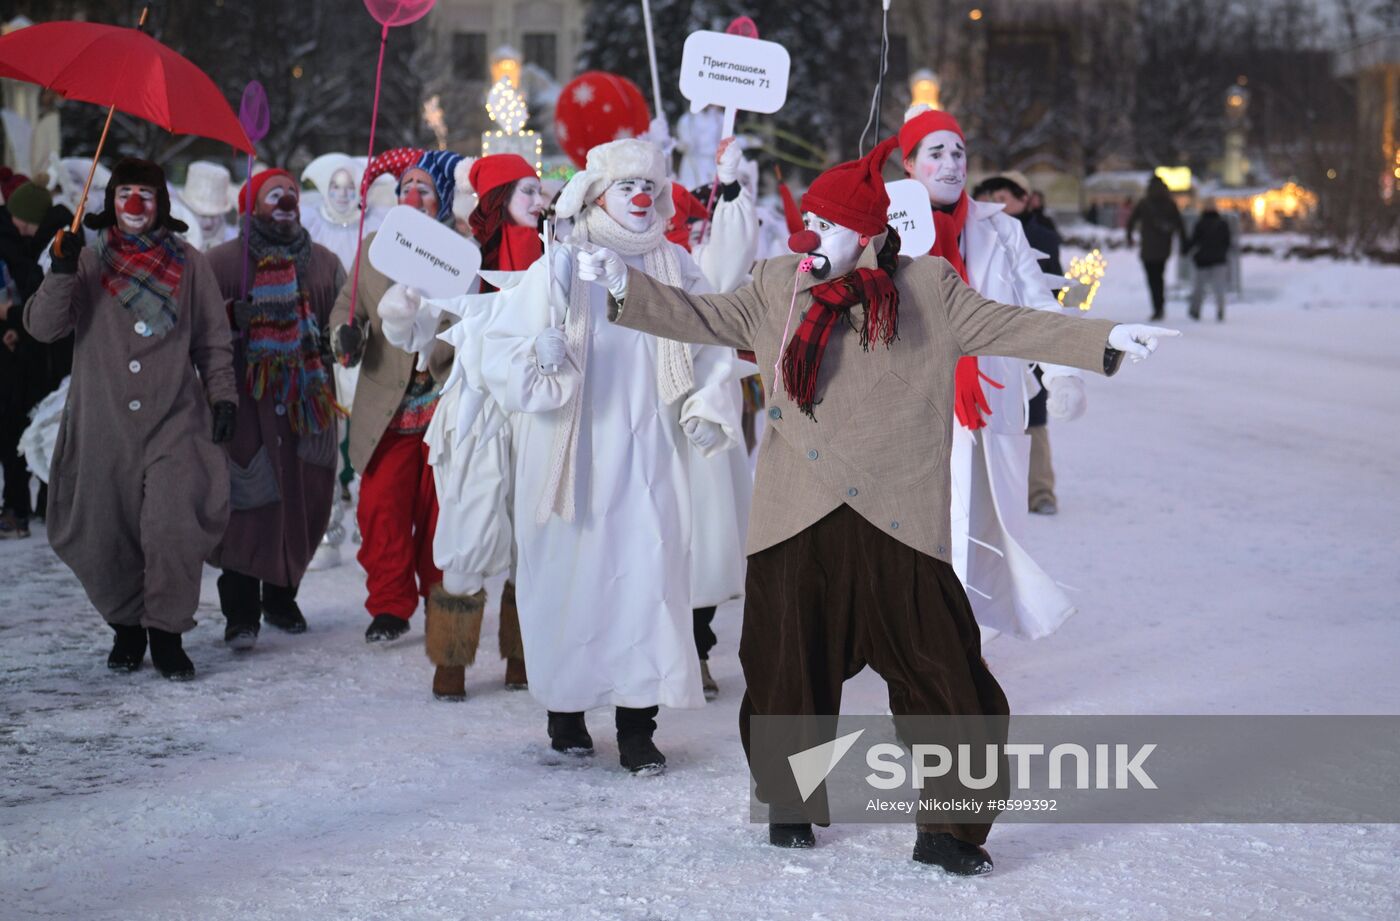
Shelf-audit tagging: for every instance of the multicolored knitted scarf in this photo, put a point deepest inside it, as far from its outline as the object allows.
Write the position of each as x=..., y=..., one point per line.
x=143, y=273
x=832, y=300
x=283, y=338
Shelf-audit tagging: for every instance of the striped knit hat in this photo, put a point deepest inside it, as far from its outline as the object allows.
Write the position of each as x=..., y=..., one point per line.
x=436, y=163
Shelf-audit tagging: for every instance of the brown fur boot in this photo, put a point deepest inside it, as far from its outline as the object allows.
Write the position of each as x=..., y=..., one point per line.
x=453, y=633
x=512, y=645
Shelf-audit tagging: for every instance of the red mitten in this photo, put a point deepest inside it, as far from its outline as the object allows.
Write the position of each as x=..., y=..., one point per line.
x=969, y=402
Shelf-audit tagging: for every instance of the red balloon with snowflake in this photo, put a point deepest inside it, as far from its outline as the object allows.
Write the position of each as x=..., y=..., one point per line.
x=596, y=107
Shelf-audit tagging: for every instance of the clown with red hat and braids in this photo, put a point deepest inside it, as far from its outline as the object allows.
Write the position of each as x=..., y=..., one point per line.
x=283, y=458
x=469, y=440
x=849, y=541
x=395, y=397
x=991, y=449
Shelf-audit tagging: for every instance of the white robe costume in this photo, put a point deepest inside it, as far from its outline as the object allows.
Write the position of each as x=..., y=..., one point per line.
x=721, y=486
x=990, y=469
x=605, y=599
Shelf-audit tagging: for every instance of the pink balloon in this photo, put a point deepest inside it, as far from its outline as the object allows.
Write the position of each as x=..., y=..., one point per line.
x=744, y=26
x=398, y=12
x=254, y=113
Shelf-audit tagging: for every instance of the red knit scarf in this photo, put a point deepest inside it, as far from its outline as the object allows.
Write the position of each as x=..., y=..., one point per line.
x=969, y=402
x=832, y=300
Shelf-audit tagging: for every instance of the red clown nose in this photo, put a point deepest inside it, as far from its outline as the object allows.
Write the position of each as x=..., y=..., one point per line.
x=412, y=198
x=134, y=205
x=641, y=200
x=804, y=241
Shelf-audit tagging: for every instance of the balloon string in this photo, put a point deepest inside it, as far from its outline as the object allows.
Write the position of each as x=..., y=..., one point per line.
x=247, y=223
x=373, y=118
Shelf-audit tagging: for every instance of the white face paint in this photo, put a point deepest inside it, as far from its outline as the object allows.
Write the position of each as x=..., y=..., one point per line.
x=341, y=195
x=136, y=208
x=526, y=203
x=840, y=245
x=211, y=226
x=632, y=203
x=940, y=165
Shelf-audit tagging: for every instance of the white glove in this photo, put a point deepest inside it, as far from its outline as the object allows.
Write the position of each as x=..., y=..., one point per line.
x=606, y=268
x=1065, y=398
x=1138, y=339
x=551, y=350
x=703, y=433
x=406, y=324
x=727, y=160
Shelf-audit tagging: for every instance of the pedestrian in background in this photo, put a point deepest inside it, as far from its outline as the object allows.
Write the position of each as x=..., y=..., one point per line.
x=1159, y=219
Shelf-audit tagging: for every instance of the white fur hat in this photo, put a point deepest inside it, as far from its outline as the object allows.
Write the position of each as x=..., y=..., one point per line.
x=208, y=189
x=629, y=158
x=320, y=171
x=464, y=201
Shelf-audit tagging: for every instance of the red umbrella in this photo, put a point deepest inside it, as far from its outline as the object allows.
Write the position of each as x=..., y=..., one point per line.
x=122, y=69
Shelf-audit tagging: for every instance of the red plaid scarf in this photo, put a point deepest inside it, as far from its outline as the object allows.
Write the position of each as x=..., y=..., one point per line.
x=831, y=300
x=143, y=273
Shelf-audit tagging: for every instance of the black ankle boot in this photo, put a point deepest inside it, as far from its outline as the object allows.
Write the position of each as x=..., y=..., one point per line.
x=952, y=854
x=280, y=610
x=791, y=834
x=568, y=733
x=128, y=649
x=635, y=749
x=238, y=598
x=168, y=655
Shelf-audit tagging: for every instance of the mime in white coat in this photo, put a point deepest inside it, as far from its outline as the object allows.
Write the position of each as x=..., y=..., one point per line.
x=603, y=421
x=991, y=465
x=721, y=485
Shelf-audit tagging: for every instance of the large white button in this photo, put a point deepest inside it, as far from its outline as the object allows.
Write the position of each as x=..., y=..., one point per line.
x=135, y=366
x=134, y=405
x=141, y=327
x=280, y=410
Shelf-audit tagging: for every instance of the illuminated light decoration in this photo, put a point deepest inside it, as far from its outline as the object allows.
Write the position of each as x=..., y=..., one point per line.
x=297, y=72
x=506, y=106
x=433, y=118
x=1087, y=270
x=925, y=89
x=975, y=15
x=1270, y=209
x=505, y=65
x=1177, y=178
x=1331, y=174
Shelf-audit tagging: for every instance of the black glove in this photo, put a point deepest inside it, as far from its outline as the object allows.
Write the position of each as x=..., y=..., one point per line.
x=225, y=414
x=65, y=251
x=350, y=344
x=242, y=314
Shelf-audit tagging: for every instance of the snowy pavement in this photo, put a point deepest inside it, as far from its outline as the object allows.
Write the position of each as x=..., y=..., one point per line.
x=1228, y=516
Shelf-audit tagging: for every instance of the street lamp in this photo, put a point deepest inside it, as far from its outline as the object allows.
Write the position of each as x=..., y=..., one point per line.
x=924, y=87
x=505, y=64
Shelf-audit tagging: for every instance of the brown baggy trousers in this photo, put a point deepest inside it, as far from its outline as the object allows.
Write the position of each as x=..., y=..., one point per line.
x=841, y=595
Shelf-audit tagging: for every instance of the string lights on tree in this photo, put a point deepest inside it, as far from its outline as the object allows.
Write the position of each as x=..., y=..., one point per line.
x=506, y=106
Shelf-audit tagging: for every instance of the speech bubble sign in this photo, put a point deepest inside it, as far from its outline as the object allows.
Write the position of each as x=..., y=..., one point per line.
x=415, y=250
x=734, y=72
x=911, y=214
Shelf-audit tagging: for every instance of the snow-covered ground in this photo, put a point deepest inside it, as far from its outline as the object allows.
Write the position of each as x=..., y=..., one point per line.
x=1228, y=514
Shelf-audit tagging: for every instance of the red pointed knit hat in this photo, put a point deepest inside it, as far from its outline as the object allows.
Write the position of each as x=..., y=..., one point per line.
x=496, y=170
x=924, y=124
x=852, y=194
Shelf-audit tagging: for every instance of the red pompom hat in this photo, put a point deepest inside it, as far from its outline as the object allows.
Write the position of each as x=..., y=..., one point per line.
x=496, y=170
x=852, y=194
x=253, y=188
x=924, y=124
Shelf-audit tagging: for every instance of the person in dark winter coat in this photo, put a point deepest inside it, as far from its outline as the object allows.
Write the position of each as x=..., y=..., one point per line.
x=29, y=370
x=139, y=486
x=1160, y=220
x=283, y=457
x=1209, y=248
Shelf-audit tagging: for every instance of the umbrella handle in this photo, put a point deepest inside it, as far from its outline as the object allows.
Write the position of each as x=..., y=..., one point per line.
x=92, y=170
